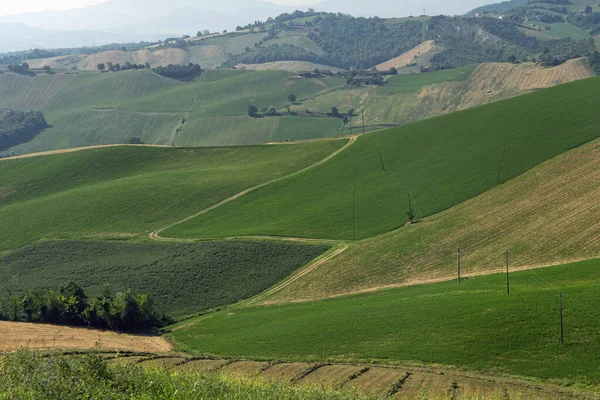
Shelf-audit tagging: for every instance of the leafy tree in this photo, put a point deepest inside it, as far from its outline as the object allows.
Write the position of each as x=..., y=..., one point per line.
x=101, y=67
x=588, y=10
x=18, y=127
x=393, y=71
x=292, y=98
x=350, y=112
x=252, y=110
x=335, y=112
x=512, y=59
x=199, y=33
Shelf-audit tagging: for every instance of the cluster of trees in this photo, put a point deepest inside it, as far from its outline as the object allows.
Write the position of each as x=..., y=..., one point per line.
x=594, y=60
x=18, y=127
x=19, y=68
x=363, y=42
x=589, y=20
x=179, y=71
x=118, y=67
x=70, y=305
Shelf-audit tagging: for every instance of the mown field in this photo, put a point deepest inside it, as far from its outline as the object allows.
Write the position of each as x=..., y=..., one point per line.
x=475, y=325
x=182, y=278
x=440, y=162
x=549, y=215
x=91, y=108
x=35, y=376
x=411, y=83
x=129, y=191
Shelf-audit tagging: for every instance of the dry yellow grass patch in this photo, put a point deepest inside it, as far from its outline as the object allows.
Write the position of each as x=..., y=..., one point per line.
x=405, y=59
x=291, y=66
x=376, y=381
x=330, y=375
x=201, y=366
x=243, y=369
x=284, y=372
x=17, y=335
x=549, y=215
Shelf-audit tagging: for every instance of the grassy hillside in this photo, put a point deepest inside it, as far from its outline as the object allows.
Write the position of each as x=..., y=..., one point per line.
x=182, y=278
x=477, y=326
x=486, y=84
x=411, y=83
x=91, y=108
x=128, y=191
x=548, y=215
x=441, y=162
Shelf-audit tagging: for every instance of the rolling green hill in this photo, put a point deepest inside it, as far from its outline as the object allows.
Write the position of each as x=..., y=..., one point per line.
x=440, y=162
x=86, y=109
x=475, y=325
x=182, y=278
x=129, y=191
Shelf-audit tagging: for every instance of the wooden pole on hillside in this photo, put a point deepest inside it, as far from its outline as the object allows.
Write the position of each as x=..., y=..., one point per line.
x=562, y=334
x=507, y=280
x=458, y=264
x=363, y=119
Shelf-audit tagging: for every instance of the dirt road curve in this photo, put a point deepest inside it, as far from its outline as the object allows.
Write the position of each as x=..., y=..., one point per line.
x=63, y=151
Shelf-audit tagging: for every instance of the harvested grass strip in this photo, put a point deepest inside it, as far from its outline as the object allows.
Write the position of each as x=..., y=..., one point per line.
x=269, y=365
x=307, y=371
x=353, y=376
x=398, y=384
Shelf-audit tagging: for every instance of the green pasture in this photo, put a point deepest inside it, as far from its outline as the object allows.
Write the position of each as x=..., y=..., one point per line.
x=440, y=162
x=410, y=83
x=475, y=325
x=182, y=278
x=128, y=191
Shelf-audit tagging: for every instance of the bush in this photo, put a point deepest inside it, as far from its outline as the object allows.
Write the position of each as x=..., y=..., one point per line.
x=252, y=110
x=135, y=140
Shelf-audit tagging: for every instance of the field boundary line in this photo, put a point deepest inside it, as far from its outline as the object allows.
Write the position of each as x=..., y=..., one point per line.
x=155, y=235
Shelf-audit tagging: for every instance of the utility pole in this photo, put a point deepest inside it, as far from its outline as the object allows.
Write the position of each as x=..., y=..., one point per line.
x=562, y=334
x=363, y=121
x=458, y=264
x=507, y=280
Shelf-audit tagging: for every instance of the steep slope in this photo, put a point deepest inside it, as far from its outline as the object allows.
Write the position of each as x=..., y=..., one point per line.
x=549, y=215
x=439, y=93
x=434, y=164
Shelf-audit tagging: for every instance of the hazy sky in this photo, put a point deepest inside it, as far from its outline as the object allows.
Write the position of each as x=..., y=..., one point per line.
x=17, y=7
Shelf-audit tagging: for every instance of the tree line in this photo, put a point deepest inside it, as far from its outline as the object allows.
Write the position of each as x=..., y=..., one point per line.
x=70, y=305
x=118, y=67
x=179, y=71
x=18, y=127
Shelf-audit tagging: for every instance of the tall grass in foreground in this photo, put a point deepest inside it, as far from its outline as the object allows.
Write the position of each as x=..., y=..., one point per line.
x=30, y=375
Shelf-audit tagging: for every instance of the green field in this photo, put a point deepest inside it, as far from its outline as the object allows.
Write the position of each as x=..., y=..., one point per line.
x=182, y=278
x=129, y=191
x=411, y=83
x=92, y=109
x=475, y=325
x=441, y=162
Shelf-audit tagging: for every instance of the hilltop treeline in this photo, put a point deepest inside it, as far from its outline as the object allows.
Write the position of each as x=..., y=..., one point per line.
x=179, y=71
x=18, y=127
x=70, y=305
x=363, y=42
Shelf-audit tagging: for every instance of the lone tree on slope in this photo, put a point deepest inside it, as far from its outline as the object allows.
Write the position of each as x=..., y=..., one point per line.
x=292, y=98
x=101, y=67
x=252, y=110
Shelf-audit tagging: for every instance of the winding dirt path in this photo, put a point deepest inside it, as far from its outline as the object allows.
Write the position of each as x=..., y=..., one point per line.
x=74, y=149
x=338, y=246
x=155, y=235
